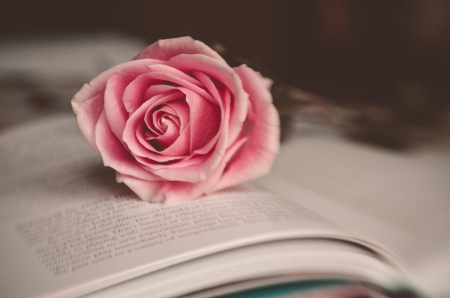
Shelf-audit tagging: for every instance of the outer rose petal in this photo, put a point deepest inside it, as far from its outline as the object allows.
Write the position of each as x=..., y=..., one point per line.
x=87, y=112
x=257, y=156
x=166, y=49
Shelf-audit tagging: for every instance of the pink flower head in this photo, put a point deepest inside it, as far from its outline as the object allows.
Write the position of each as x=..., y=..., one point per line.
x=178, y=122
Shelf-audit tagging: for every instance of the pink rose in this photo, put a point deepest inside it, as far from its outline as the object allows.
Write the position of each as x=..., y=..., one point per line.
x=177, y=122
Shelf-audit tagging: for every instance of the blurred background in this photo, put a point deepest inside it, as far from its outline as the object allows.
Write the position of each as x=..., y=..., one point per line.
x=389, y=54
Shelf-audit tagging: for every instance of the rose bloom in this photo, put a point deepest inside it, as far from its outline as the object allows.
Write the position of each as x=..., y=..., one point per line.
x=178, y=122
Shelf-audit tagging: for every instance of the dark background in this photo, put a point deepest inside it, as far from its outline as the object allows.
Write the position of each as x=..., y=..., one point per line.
x=390, y=53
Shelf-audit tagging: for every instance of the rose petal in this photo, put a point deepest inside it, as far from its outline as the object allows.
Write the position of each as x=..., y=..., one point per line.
x=181, y=161
x=170, y=192
x=135, y=95
x=193, y=173
x=137, y=91
x=114, y=109
x=205, y=120
x=222, y=101
x=210, y=86
x=256, y=157
x=87, y=113
x=166, y=77
x=114, y=154
x=159, y=89
x=145, y=190
x=166, y=49
x=174, y=72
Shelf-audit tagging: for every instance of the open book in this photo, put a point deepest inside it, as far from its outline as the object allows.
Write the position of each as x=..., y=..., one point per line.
x=68, y=230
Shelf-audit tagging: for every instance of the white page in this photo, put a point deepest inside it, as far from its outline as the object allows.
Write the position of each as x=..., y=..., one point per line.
x=401, y=199
x=297, y=259
x=68, y=229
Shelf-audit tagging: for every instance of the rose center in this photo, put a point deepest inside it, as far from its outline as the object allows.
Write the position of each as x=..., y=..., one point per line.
x=163, y=124
x=162, y=127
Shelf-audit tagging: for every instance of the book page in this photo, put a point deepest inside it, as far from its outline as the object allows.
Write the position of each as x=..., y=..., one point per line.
x=401, y=199
x=68, y=229
x=294, y=260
